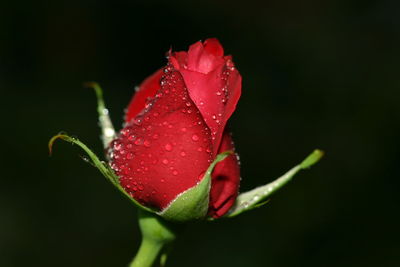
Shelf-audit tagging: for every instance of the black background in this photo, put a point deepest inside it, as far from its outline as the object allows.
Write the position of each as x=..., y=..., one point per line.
x=316, y=74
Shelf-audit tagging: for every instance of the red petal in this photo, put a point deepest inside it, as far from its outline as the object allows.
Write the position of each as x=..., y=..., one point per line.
x=213, y=83
x=225, y=181
x=214, y=47
x=147, y=90
x=204, y=60
x=166, y=149
x=215, y=95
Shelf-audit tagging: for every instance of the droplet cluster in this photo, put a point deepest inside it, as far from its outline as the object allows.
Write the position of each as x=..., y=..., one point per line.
x=163, y=151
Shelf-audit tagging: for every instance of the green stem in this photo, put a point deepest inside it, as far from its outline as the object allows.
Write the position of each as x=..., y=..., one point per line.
x=147, y=254
x=156, y=233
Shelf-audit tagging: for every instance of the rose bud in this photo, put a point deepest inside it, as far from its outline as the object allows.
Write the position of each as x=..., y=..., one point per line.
x=174, y=156
x=175, y=126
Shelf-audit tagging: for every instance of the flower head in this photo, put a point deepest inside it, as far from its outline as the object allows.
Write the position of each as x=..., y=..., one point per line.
x=176, y=126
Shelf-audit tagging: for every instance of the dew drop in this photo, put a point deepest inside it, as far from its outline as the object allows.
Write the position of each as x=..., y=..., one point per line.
x=117, y=145
x=183, y=153
x=195, y=137
x=146, y=143
x=165, y=161
x=138, y=141
x=175, y=172
x=168, y=147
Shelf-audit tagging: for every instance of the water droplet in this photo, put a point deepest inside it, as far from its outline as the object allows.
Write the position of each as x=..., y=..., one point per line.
x=168, y=147
x=201, y=103
x=188, y=104
x=117, y=146
x=138, y=141
x=183, y=153
x=219, y=93
x=183, y=129
x=155, y=136
x=201, y=175
x=165, y=161
x=137, y=121
x=175, y=172
x=214, y=117
x=195, y=137
x=146, y=143
x=200, y=149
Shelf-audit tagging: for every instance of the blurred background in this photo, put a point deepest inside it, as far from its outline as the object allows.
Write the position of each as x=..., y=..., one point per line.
x=316, y=74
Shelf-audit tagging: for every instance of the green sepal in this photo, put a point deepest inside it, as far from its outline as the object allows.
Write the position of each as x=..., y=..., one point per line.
x=192, y=204
x=105, y=123
x=257, y=197
x=102, y=166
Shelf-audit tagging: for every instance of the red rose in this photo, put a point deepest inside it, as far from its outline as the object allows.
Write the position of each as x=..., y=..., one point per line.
x=175, y=127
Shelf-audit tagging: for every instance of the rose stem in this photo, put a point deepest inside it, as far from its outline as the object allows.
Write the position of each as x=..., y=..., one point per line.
x=156, y=233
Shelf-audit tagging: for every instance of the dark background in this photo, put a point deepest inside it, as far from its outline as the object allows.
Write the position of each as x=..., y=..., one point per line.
x=316, y=74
